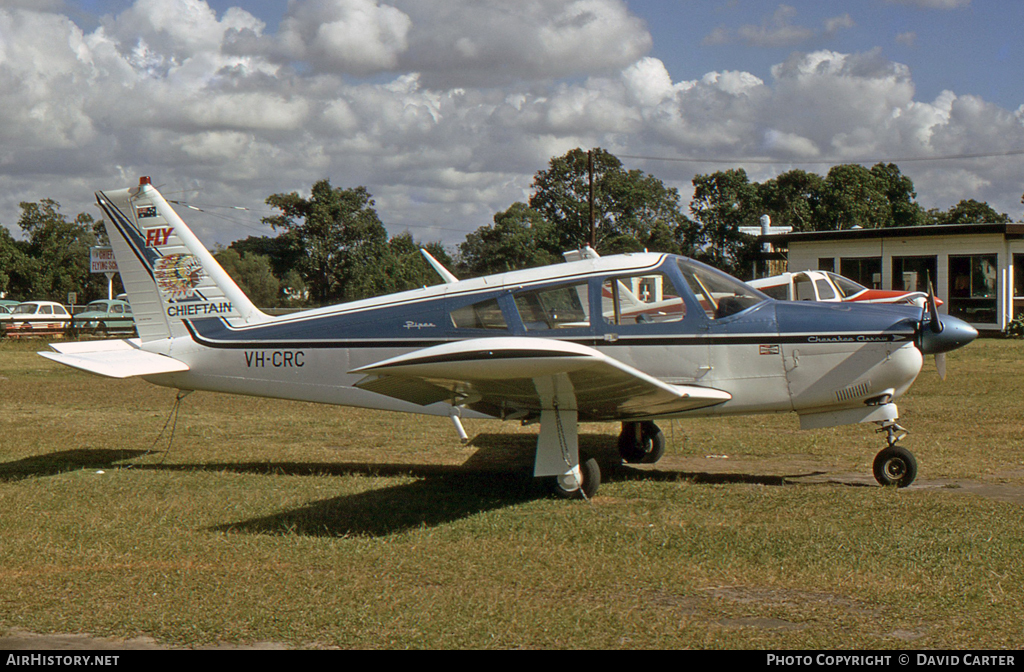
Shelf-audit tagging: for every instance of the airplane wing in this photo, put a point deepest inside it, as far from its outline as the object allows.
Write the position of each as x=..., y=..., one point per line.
x=122, y=358
x=502, y=376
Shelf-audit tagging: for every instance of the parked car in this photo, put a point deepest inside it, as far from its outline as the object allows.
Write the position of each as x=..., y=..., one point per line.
x=105, y=316
x=36, y=317
x=831, y=287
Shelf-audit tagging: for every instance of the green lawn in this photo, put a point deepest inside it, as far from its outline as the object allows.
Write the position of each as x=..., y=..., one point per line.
x=317, y=526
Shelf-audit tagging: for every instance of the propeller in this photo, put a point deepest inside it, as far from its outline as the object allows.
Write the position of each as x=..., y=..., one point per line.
x=937, y=336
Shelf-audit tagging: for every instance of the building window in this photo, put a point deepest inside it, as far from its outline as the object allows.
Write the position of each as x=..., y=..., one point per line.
x=827, y=264
x=912, y=274
x=973, y=287
x=1018, y=284
x=865, y=270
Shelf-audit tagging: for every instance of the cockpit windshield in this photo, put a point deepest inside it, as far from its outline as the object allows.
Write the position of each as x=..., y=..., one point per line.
x=719, y=294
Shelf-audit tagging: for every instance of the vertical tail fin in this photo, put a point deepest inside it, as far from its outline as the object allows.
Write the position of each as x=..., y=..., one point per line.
x=168, y=274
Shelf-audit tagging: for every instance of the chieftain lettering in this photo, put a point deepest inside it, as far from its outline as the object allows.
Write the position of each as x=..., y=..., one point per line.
x=194, y=309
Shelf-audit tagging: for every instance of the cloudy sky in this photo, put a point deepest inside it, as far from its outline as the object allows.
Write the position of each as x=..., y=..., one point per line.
x=444, y=109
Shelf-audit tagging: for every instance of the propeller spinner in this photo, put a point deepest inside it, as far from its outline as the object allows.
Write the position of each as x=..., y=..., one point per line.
x=941, y=333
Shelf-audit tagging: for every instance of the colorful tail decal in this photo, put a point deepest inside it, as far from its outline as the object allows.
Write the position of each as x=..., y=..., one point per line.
x=170, y=277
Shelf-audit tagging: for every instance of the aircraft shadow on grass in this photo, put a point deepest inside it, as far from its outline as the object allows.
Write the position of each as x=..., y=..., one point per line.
x=497, y=475
x=63, y=461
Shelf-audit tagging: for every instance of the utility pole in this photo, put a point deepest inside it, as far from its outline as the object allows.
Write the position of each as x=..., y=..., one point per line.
x=593, y=223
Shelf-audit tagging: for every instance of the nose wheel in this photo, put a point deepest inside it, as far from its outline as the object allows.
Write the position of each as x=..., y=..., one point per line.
x=895, y=465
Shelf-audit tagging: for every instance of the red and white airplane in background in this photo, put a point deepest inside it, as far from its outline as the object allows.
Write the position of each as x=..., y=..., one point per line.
x=831, y=287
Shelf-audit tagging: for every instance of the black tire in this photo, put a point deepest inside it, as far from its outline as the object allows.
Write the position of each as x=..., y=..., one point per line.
x=100, y=330
x=591, y=471
x=648, y=449
x=895, y=466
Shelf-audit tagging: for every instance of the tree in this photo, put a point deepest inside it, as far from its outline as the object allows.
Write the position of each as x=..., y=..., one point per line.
x=403, y=267
x=284, y=252
x=520, y=238
x=58, y=254
x=722, y=202
x=853, y=196
x=970, y=211
x=899, y=191
x=633, y=210
x=339, y=234
x=13, y=263
x=792, y=199
x=253, y=274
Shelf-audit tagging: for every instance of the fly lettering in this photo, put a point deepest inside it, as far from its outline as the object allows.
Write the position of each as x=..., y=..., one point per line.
x=159, y=236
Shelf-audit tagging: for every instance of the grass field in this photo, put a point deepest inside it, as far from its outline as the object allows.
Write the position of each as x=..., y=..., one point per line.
x=317, y=526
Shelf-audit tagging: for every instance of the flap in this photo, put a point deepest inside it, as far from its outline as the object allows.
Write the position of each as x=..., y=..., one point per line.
x=498, y=376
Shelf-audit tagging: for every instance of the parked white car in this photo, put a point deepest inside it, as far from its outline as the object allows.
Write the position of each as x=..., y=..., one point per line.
x=827, y=286
x=33, y=317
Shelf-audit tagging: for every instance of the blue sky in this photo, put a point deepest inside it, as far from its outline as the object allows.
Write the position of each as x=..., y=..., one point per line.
x=970, y=48
x=973, y=49
x=445, y=109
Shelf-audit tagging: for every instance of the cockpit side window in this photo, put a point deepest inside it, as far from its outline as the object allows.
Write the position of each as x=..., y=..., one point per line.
x=641, y=299
x=720, y=295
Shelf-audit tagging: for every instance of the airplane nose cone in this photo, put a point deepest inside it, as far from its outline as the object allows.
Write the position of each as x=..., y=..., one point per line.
x=955, y=333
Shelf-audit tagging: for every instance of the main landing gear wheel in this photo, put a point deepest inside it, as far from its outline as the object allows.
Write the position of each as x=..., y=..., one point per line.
x=569, y=487
x=895, y=466
x=641, y=442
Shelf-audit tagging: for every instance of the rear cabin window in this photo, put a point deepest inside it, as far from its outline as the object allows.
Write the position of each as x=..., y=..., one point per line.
x=641, y=299
x=566, y=307
x=482, y=315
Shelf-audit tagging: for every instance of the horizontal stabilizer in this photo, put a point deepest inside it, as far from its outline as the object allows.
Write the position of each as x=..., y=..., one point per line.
x=499, y=376
x=113, y=359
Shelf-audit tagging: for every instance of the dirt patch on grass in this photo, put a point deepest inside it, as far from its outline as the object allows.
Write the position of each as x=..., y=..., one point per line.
x=22, y=640
x=807, y=470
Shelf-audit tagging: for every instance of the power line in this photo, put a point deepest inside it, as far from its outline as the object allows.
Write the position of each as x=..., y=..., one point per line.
x=909, y=159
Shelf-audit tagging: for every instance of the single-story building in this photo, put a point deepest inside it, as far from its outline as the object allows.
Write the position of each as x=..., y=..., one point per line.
x=971, y=266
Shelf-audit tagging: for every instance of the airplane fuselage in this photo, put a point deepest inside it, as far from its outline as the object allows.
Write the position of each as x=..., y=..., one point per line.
x=770, y=356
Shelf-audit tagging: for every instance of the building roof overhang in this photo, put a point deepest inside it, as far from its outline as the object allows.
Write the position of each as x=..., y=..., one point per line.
x=1012, y=230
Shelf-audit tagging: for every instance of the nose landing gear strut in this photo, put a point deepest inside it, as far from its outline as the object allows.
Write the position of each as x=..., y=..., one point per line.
x=641, y=442
x=894, y=465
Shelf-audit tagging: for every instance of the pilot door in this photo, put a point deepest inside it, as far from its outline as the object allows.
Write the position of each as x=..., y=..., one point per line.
x=645, y=322
x=740, y=329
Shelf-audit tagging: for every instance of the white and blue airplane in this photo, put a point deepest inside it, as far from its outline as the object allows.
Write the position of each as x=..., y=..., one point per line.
x=633, y=338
